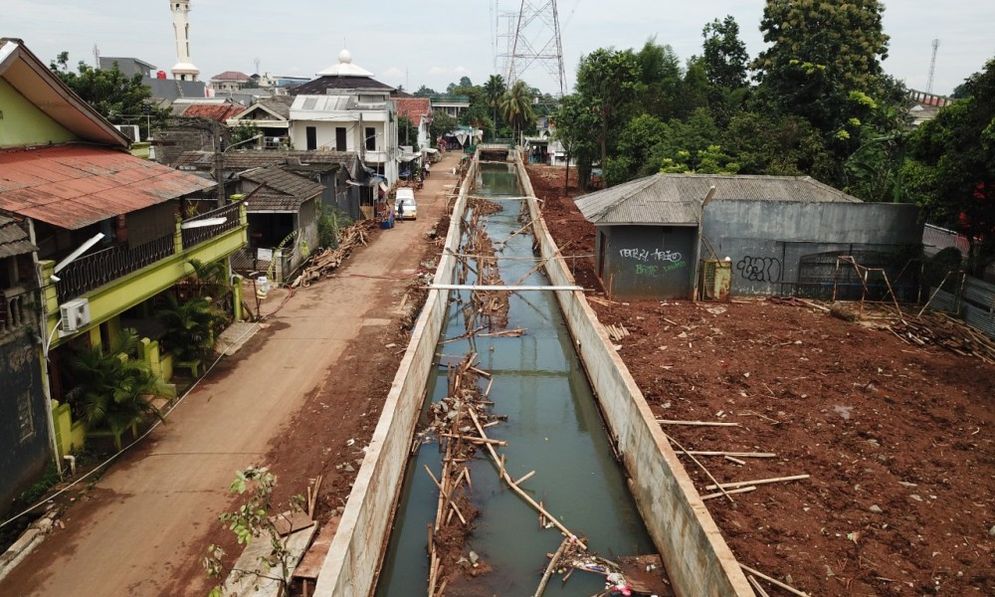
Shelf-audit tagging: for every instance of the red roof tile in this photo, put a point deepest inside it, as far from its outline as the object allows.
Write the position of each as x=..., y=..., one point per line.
x=74, y=186
x=413, y=108
x=231, y=75
x=217, y=112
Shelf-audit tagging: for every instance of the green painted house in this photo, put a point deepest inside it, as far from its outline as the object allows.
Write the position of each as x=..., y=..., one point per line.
x=112, y=233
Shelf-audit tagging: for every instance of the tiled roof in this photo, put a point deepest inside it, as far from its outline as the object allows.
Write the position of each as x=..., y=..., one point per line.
x=74, y=186
x=244, y=160
x=283, y=190
x=216, y=112
x=13, y=239
x=231, y=75
x=413, y=108
x=321, y=84
x=676, y=198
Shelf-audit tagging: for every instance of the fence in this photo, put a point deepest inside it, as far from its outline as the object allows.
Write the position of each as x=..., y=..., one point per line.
x=96, y=269
x=195, y=236
x=969, y=298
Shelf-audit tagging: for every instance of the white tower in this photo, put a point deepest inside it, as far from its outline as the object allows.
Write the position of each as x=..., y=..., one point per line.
x=183, y=69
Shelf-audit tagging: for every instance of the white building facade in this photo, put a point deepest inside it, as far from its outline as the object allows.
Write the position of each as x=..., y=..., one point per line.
x=346, y=110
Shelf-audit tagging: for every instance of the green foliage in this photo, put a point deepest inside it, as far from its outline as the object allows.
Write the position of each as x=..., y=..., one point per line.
x=777, y=145
x=407, y=132
x=441, y=123
x=330, y=223
x=121, y=99
x=516, y=106
x=114, y=387
x=658, y=92
x=243, y=132
x=608, y=79
x=575, y=120
x=952, y=166
x=252, y=520
x=725, y=59
x=190, y=326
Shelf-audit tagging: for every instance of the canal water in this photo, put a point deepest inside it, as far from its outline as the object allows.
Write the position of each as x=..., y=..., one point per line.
x=553, y=427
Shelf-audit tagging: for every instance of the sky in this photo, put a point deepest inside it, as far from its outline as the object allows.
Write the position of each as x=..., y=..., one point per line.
x=436, y=42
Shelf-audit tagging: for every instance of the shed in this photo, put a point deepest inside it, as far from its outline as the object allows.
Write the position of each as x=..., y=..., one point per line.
x=780, y=232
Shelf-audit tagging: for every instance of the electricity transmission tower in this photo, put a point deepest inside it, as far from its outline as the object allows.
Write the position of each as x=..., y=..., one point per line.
x=533, y=40
x=932, y=67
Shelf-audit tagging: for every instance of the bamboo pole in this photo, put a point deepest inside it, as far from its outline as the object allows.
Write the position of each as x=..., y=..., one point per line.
x=552, y=566
x=697, y=423
x=787, y=588
x=701, y=466
x=756, y=482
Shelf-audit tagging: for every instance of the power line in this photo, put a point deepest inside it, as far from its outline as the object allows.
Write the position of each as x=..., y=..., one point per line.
x=535, y=40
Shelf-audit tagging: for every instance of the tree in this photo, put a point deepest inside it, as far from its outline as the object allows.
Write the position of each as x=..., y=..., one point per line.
x=120, y=99
x=442, y=123
x=255, y=520
x=659, y=88
x=765, y=143
x=494, y=89
x=516, y=106
x=951, y=172
x=243, y=132
x=635, y=142
x=574, y=121
x=425, y=92
x=608, y=78
x=725, y=59
x=823, y=63
x=407, y=132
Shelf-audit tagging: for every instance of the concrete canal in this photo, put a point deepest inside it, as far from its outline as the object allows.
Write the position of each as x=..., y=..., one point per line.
x=553, y=427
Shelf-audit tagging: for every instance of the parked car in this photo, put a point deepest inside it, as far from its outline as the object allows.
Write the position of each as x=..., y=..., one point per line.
x=405, y=205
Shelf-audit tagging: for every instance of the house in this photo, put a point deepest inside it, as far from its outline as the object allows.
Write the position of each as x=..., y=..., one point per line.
x=271, y=116
x=418, y=110
x=25, y=437
x=283, y=210
x=216, y=109
x=779, y=235
x=163, y=89
x=113, y=232
x=230, y=81
x=346, y=110
x=343, y=178
x=128, y=66
x=453, y=105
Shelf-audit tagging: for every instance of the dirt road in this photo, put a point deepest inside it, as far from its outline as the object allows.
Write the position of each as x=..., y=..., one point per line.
x=294, y=395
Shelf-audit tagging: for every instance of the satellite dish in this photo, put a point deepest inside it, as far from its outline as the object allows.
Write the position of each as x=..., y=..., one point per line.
x=203, y=223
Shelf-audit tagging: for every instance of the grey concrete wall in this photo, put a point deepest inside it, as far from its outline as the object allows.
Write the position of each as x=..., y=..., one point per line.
x=768, y=240
x=647, y=261
x=353, y=561
x=697, y=559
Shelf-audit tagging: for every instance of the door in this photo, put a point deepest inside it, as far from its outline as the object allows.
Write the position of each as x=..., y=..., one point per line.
x=312, y=138
x=340, y=144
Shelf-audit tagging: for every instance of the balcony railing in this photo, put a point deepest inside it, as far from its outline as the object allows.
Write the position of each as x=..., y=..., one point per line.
x=195, y=236
x=16, y=309
x=96, y=269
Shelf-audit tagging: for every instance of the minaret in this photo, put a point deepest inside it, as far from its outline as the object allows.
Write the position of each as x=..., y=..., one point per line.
x=183, y=69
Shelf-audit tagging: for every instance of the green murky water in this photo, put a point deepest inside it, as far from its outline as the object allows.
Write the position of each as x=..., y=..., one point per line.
x=553, y=427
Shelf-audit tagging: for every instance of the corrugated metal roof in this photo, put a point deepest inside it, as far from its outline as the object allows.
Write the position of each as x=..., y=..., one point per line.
x=74, y=186
x=216, y=112
x=321, y=85
x=231, y=75
x=14, y=240
x=283, y=191
x=676, y=198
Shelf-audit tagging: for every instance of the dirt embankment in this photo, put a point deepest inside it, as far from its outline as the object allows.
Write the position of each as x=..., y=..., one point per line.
x=897, y=439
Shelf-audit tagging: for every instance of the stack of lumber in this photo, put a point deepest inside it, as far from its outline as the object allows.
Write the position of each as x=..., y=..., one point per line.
x=616, y=332
x=326, y=261
x=939, y=329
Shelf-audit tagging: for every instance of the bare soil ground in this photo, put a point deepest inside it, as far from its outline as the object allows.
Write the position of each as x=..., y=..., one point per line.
x=897, y=439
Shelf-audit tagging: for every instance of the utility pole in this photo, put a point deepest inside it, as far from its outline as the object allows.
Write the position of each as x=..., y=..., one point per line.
x=932, y=67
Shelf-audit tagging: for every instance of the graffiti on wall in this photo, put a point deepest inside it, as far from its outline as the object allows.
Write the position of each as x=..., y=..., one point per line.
x=760, y=269
x=645, y=255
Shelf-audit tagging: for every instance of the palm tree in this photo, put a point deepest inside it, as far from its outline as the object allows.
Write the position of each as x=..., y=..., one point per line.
x=494, y=89
x=190, y=327
x=114, y=387
x=516, y=106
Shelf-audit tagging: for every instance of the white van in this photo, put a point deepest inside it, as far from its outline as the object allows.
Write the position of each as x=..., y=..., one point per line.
x=405, y=205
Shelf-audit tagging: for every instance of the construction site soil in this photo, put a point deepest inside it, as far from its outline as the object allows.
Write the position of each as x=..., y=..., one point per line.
x=897, y=439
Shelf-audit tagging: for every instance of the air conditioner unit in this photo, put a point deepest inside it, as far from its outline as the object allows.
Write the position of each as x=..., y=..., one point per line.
x=75, y=315
x=131, y=131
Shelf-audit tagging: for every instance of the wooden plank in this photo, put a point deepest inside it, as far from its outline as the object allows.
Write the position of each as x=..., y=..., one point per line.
x=311, y=562
x=241, y=584
x=288, y=522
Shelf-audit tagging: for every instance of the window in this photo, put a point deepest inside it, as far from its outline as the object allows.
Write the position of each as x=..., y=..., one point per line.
x=371, y=138
x=312, y=138
x=25, y=420
x=340, y=144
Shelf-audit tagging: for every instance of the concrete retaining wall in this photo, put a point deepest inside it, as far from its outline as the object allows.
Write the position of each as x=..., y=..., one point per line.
x=353, y=561
x=696, y=556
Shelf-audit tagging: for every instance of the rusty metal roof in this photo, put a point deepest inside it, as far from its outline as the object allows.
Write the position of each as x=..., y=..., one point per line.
x=216, y=112
x=676, y=198
x=14, y=240
x=73, y=186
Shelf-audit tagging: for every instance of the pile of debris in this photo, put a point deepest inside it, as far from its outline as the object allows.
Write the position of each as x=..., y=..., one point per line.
x=933, y=328
x=326, y=261
x=491, y=306
x=453, y=421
